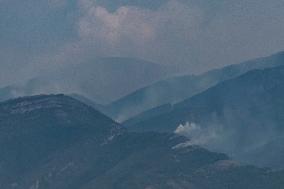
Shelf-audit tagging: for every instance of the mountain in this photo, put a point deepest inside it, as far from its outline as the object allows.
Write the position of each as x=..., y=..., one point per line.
x=154, y=112
x=35, y=129
x=101, y=108
x=101, y=79
x=176, y=89
x=57, y=142
x=242, y=116
x=114, y=77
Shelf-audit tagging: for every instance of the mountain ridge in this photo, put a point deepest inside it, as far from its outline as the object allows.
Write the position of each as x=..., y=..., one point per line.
x=98, y=79
x=179, y=88
x=246, y=112
x=88, y=150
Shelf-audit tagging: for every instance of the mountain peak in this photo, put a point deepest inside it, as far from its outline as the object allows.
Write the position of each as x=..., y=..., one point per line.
x=56, y=113
x=57, y=108
x=29, y=104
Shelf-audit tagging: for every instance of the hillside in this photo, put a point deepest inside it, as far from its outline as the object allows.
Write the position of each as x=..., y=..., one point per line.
x=241, y=116
x=177, y=89
x=56, y=142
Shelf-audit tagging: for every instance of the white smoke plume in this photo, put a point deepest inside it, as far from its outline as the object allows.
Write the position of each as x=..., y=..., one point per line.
x=197, y=134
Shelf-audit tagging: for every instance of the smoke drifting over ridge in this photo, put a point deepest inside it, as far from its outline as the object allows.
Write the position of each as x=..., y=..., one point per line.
x=197, y=134
x=255, y=145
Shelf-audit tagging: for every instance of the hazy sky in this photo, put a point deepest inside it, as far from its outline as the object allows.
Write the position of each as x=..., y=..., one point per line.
x=40, y=35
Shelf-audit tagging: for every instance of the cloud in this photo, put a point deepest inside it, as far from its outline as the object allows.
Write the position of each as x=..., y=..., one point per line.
x=194, y=35
x=139, y=32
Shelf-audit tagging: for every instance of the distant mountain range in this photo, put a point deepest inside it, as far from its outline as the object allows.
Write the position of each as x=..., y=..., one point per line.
x=237, y=110
x=101, y=79
x=106, y=79
x=177, y=89
x=57, y=142
x=243, y=116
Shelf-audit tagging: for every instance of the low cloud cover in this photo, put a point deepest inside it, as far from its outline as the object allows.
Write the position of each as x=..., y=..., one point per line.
x=193, y=35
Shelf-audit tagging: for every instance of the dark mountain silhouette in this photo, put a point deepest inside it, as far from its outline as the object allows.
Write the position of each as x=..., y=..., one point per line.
x=57, y=142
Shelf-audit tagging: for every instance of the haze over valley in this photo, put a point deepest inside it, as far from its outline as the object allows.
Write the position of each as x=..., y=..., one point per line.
x=141, y=94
